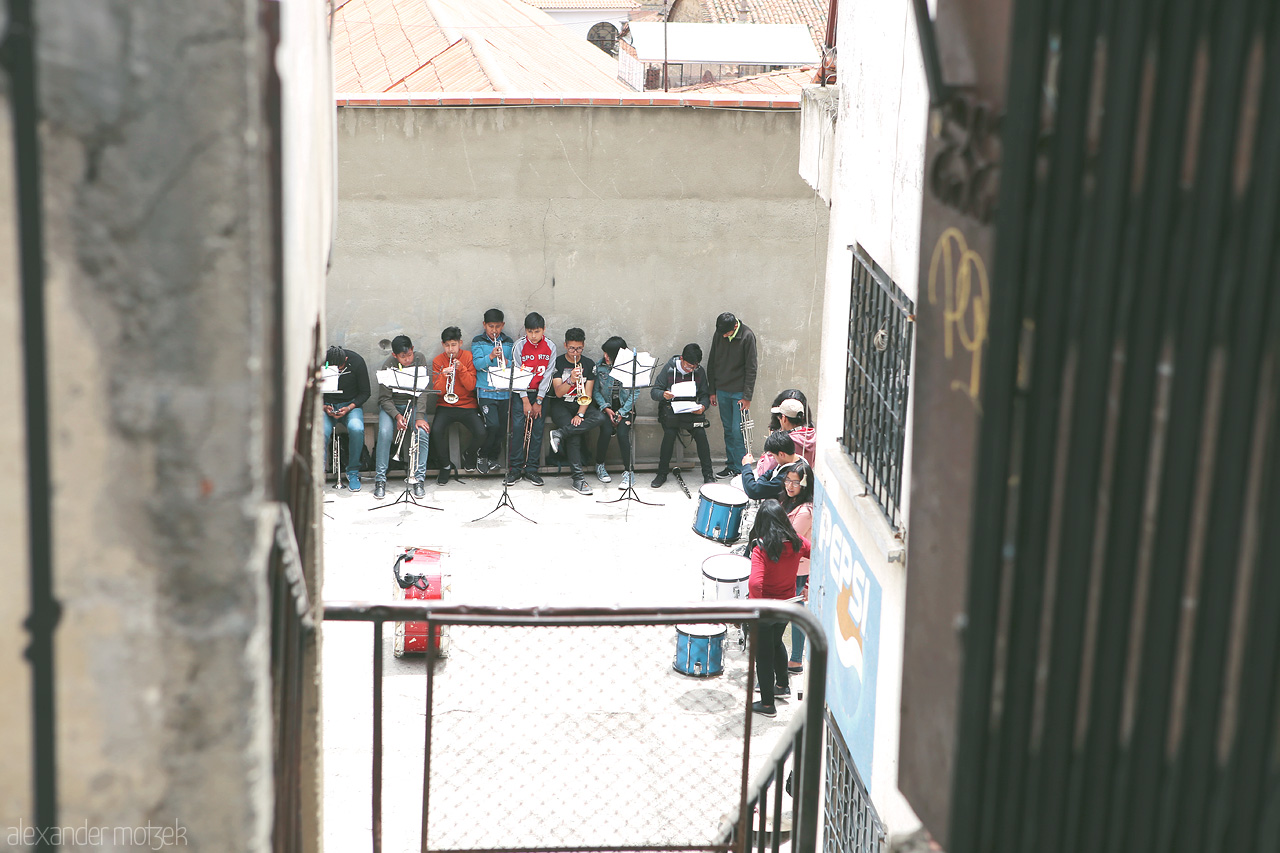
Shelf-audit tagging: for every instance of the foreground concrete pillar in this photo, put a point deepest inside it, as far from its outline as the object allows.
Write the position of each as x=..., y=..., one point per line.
x=168, y=420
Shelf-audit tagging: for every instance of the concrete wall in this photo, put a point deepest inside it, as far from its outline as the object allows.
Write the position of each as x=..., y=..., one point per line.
x=876, y=196
x=161, y=367
x=646, y=222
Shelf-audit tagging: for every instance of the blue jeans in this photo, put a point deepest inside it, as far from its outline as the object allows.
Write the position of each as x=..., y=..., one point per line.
x=797, y=635
x=354, y=421
x=386, y=434
x=731, y=420
x=518, y=462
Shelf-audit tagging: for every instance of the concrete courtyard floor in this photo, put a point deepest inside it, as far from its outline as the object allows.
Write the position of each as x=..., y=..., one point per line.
x=540, y=736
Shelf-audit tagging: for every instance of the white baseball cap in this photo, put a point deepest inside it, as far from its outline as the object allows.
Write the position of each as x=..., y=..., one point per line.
x=790, y=407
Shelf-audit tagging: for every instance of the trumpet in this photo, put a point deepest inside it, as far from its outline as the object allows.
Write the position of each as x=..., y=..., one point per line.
x=398, y=441
x=746, y=426
x=580, y=388
x=499, y=362
x=449, y=396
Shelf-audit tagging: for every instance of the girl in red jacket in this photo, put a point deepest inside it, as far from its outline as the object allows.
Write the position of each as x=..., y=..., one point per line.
x=775, y=550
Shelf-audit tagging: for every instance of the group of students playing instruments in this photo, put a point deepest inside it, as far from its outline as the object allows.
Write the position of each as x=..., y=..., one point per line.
x=577, y=394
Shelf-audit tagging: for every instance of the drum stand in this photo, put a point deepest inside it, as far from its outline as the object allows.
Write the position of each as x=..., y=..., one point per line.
x=505, y=499
x=629, y=493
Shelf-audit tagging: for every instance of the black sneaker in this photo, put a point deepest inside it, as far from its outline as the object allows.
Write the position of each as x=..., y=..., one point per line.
x=419, y=490
x=512, y=478
x=484, y=466
x=708, y=478
x=380, y=489
x=532, y=477
x=469, y=465
x=726, y=472
x=443, y=476
x=658, y=481
x=581, y=487
x=777, y=691
x=764, y=710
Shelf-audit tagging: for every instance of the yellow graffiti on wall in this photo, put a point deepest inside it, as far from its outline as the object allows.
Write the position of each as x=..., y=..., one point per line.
x=966, y=303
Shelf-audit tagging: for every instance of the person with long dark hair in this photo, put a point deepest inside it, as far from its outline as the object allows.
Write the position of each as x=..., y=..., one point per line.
x=776, y=550
x=791, y=415
x=797, y=501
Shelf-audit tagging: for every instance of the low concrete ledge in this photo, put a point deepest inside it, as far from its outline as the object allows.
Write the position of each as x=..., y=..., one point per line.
x=574, y=99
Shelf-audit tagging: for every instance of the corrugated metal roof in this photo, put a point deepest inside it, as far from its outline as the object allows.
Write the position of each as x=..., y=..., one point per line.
x=724, y=44
x=462, y=45
x=788, y=82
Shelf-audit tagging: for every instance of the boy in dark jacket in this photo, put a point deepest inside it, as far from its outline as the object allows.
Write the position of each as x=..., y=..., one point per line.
x=685, y=367
x=769, y=485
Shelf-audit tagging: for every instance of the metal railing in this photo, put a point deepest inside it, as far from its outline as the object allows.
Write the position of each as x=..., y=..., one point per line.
x=850, y=822
x=563, y=729
x=877, y=381
x=291, y=628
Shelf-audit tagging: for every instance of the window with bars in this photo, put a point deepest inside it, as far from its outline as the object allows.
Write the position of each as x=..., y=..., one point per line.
x=877, y=381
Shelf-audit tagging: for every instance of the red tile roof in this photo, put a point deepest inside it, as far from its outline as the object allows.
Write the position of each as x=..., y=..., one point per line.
x=787, y=82
x=462, y=46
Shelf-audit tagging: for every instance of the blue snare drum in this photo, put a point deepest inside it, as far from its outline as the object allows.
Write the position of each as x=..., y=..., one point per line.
x=699, y=650
x=719, y=512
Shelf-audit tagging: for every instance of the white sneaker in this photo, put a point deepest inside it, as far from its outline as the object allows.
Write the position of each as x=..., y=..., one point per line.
x=626, y=480
x=555, y=441
x=602, y=474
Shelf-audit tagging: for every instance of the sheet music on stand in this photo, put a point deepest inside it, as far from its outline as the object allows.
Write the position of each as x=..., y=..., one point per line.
x=510, y=378
x=411, y=381
x=329, y=379
x=632, y=369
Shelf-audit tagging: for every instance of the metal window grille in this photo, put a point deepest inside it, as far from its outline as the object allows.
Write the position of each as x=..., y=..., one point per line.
x=850, y=822
x=877, y=380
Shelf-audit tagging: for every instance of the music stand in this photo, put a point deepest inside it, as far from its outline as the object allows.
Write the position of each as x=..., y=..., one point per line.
x=510, y=378
x=406, y=382
x=634, y=378
x=329, y=377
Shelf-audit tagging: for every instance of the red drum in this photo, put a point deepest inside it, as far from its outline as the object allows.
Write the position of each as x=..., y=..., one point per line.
x=419, y=578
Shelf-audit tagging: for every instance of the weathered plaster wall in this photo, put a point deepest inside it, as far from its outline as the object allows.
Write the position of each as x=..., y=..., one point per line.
x=645, y=222
x=876, y=196
x=161, y=365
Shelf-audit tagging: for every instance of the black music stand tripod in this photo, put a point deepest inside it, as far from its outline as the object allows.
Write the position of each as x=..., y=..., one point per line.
x=406, y=496
x=638, y=379
x=511, y=379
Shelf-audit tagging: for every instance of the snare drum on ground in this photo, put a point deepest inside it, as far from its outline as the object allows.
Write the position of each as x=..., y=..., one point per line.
x=725, y=577
x=699, y=650
x=719, y=513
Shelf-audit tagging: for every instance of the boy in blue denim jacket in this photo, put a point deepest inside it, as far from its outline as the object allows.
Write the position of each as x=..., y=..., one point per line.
x=486, y=348
x=619, y=405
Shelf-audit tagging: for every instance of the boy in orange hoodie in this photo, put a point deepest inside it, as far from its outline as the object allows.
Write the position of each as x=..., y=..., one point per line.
x=454, y=376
